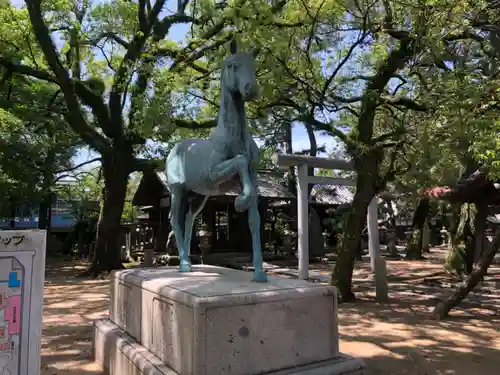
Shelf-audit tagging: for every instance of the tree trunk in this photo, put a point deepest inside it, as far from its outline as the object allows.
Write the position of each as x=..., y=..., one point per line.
x=49, y=214
x=443, y=308
x=12, y=209
x=44, y=211
x=426, y=237
x=454, y=221
x=367, y=160
x=107, y=252
x=456, y=255
x=415, y=242
x=480, y=228
x=360, y=249
x=470, y=244
x=354, y=224
x=45, y=214
x=70, y=240
x=352, y=232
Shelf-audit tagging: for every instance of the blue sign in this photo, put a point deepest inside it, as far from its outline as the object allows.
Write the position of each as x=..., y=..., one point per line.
x=57, y=221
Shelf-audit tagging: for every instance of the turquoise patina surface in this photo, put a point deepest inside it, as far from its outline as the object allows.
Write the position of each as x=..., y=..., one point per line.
x=212, y=166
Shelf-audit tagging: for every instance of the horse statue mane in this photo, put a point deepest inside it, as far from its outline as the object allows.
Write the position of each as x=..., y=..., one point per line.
x=214, y=165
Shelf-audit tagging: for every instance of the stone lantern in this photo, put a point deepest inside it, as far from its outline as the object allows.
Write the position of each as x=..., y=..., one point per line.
x=288, y=242
x=444, y=236
x=392, y=240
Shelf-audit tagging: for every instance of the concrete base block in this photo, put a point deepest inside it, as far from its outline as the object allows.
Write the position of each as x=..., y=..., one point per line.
x=119, y=354
x=216, y=321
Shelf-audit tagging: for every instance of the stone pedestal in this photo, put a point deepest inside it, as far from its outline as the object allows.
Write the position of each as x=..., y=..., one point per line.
x=216, y=321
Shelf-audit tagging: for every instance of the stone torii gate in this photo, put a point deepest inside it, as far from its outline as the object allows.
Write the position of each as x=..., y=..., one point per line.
x=302, y=163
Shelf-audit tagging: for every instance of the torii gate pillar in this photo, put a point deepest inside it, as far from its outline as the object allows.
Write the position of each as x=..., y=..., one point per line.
x=302, y=163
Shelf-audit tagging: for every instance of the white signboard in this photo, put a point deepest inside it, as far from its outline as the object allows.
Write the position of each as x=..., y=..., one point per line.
x=22, y=275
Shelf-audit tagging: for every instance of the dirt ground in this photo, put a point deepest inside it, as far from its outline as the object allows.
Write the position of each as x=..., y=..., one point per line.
x=395, y=338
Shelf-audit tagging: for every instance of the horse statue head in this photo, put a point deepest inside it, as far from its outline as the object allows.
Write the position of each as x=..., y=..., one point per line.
x=239, y=74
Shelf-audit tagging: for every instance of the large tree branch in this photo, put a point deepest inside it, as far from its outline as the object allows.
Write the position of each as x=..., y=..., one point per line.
x=404, y=102
x=329, y=128
x=27, y=70
x=162, y=27
x=373, y=93
x=82, y=91
x=186, y=56
x=78, y=166
x=143, y=21
x=128, y=63
x=88, y=134
x=146, y=68
x=137, y=93
x=305, y=116
x=398, y=133
x=189, y=59
x=191, y=124
x=361, y=38
x=190, y=55
x=74, y=114
x=470, y=35
x=392, y=169
x=175, y=55
x=310, y=91
x=147, y=165
x=107, y=35
x=216, y=28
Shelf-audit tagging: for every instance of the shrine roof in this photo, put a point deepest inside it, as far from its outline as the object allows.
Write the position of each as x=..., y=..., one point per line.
x=153, y=187
x=331, y=194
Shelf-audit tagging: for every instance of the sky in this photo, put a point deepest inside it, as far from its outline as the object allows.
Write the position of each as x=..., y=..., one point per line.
x=178, y=32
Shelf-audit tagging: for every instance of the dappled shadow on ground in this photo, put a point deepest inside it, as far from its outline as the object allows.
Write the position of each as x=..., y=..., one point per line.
x=400, y=338
x=71, y=305
x=422, y=280
x=426, y=282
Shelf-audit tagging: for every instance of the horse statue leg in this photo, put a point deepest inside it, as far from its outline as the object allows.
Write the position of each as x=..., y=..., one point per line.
x=194, y=210
x=246, y=200
x=254, y=224
x=226, y=170
x=177, y=194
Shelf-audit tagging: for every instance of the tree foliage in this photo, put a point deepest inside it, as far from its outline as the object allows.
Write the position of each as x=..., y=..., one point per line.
x=35, y=143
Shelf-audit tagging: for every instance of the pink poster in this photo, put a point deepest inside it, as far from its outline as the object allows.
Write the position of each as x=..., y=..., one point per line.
x=12, y=315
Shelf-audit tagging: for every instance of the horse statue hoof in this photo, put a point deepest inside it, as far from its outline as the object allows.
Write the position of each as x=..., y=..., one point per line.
x=185, y=267
x=259, y=276
x=242, y=202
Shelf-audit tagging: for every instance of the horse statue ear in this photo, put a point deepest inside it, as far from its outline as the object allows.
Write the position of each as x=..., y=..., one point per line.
x=233, y=46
